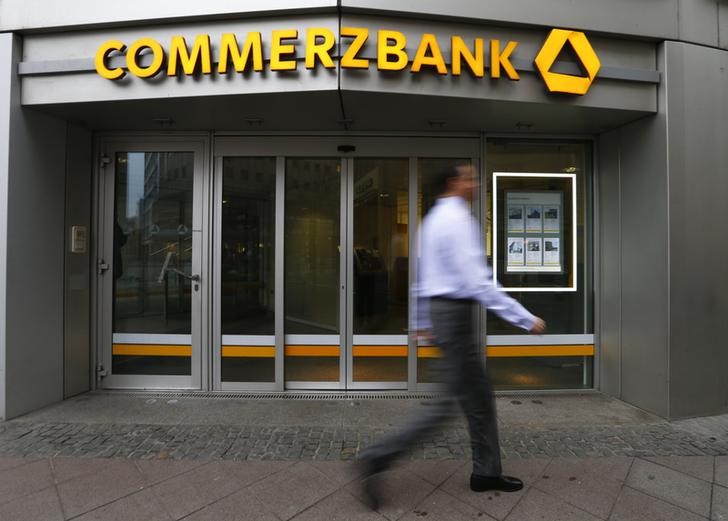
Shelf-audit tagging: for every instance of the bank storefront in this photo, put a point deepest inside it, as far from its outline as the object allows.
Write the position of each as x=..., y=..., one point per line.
x=266, y=261
x=241, y=194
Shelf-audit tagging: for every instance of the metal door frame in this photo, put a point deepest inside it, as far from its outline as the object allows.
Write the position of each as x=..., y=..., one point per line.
x=108, y=147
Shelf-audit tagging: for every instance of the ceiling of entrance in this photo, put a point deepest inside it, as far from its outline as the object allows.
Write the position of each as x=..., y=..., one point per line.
x=343, y=110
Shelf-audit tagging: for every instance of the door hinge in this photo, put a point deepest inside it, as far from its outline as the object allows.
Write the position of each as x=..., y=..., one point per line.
x=103, y=267
x=104, y=160
x=100, y=371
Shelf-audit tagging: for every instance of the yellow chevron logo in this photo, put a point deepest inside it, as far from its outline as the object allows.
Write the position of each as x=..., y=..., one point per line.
x=566, y=83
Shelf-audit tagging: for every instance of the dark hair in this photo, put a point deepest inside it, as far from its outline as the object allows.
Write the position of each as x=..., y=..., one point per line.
x=443, y=177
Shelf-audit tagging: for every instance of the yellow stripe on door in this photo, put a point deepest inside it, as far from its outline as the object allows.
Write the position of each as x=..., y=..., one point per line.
x=151, y=350
x=376, y=351
x=358, y=351
x=521, y=351
x=248, y=352
x=297, y=350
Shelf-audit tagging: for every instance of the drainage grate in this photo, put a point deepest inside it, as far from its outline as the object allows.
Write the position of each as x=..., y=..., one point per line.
x=277, y=395
x=334, y=395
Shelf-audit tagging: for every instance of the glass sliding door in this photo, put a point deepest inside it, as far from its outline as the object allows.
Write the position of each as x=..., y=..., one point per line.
x=312, y=276
x=313, y=259
x=379, y=264
x=151, y=269
x=247, y=269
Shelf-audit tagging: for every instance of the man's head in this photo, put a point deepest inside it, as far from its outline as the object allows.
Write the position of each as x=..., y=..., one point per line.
x=457, y=180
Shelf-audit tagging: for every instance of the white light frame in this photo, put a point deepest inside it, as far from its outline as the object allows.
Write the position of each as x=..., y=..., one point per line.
x=496, y=176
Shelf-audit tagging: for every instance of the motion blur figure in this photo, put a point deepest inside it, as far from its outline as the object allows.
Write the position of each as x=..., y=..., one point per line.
x=454, y=278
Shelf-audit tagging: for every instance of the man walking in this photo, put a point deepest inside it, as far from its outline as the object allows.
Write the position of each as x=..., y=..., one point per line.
x=453, y=278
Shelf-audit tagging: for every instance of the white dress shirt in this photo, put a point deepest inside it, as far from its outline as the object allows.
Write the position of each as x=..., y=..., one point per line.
x=452, y=264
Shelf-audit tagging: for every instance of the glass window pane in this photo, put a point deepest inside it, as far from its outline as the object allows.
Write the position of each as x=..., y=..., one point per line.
x=152, y=226
x=247, y=271
x=380, y=265
x=248, y=246
x=553, y=372
x=248, y=369
x=566, y=312
x=311, y=272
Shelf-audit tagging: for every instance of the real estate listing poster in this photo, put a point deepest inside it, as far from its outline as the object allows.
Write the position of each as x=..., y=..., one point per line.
x=515, y=251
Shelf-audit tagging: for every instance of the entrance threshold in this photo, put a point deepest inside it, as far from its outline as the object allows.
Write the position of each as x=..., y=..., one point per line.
x=280, y=395
x=331, y=395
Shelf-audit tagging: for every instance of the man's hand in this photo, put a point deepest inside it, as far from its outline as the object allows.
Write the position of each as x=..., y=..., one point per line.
x=538, y=327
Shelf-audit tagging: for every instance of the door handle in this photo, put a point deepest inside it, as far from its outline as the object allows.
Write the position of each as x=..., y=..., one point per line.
x=166, y=268
x=193, y=278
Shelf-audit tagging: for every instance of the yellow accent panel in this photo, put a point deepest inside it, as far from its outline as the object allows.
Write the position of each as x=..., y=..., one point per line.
x=566, y=83
x=151, y=350
x=520, y=351
x=428, y=352
x=248, y=352
x=312, y=350
x=393, y=351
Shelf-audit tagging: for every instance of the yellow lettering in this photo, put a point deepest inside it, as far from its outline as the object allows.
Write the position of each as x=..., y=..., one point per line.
x=103, y=54
x=474, y=60
x=200, y=55
x=391, y=43
x=133, y=54
x=428, y=53
x=279, y=49
x=229, y=48
x=498, y=59
x=349, y=60
x=322, y=50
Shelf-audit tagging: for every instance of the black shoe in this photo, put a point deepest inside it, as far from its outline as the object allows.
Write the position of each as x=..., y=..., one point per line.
x=502, y=483
x=370, y=481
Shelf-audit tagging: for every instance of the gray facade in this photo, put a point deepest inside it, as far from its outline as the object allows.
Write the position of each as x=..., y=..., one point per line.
x=658, y=115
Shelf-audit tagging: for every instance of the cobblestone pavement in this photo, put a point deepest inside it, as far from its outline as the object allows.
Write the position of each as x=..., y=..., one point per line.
x=25, y=437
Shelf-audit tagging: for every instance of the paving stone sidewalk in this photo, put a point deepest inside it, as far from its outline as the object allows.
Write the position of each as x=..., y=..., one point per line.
x=142, y=457
x=673, y=488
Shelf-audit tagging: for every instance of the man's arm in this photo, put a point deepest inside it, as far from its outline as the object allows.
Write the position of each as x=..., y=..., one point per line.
x=468, y=258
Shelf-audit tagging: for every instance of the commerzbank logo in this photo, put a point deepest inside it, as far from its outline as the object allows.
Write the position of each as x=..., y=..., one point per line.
x=566, y=83
x=358, y=48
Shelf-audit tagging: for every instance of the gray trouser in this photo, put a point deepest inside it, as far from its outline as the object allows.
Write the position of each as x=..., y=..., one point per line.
x=466, y=383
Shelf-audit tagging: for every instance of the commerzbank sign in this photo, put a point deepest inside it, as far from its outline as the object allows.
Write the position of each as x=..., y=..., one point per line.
x=147, y=57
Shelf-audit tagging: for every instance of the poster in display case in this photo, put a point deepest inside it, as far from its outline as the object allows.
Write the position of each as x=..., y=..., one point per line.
x=515, y=251
x=533, y=219
x=533, y=252
x=551, y=252
x=540, y=222
x=515, y=218
x=538, y=236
